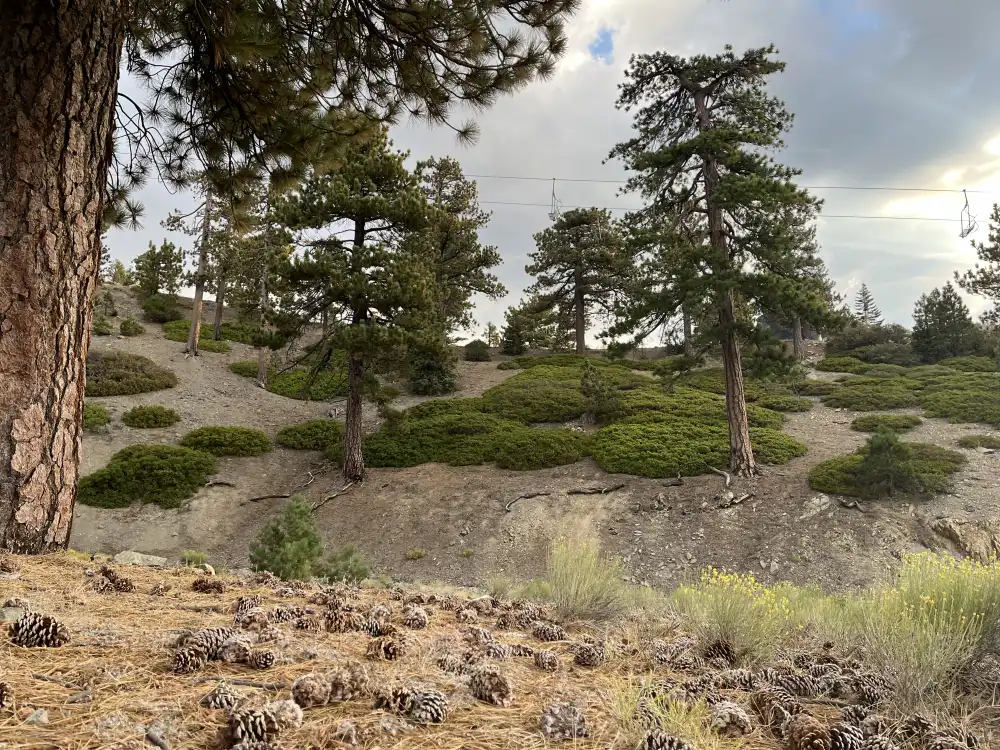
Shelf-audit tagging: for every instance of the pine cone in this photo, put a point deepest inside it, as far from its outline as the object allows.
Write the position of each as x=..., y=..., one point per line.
x=398, y=699
x=286, y=613
x=6, y=695
x=255, y=745
x=477, y=635
x=730, y=720
x=854, y=714
x=415, y=617
x=159, y=589
x=589, y=655
x=879, y=742
x=311, y=690
x=309, y=622
x=720, y=650
x=16, y=602
x=234, y=651
x=36, y=630
x=261, y=659
x=505, y=621
x=498, y=651
x=208, y=585
x=341, y=621
x=943, y=741
x=805, y=732
x=657, y=740
x=736, y=679
x=548, y=632
x=118, y=582
x=222, y=696
x=9, y=565
x=244, y=604
x=252, y=724
x=773, y=705
x=384, y=648
x=466, y=615
x=844, y=736
x=799, y=685
x=253, y=619
x=210, y=640
x=458, y=663
x=547, y=661
x=562, y=722
x=380, y=612
x=348, y=682
x=490, y=685
x=188, y=659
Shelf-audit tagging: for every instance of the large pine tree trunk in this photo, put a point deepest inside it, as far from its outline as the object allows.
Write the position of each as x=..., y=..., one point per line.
x=199, y=285
x=264, y=299
x=798, y=348
x=220, y=304
x=688, y=345
x=741, y=459
x=580, y=313
x=354, y=460
x=58, y=84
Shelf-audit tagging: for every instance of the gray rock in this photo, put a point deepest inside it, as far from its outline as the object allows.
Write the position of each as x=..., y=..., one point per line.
x=38, y=716
x=131, y=557
x=814, y=506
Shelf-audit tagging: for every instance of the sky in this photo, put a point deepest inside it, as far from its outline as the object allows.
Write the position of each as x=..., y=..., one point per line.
x=886, y=93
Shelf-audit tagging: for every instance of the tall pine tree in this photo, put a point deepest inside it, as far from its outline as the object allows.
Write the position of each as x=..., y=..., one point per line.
x=866, y=312
x=230, y=87
x=578, y=265
x=942, y=326
x=376, y=288
x=728, y=217
x=984, y=278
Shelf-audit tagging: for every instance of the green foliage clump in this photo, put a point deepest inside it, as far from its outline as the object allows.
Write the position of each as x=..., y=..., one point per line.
x=440, y=407
x=160, y=308
x=601, y=400
x=842, y=364
x=970, y=364
x=963, y=406
x=95, y=416
x=531, y=397
x=131, y=327
x=812, y=387
x=922, y=372
x=298, y=382
x=578, y=360
x=102, y=326
x=192, y=558
x=885, y=371
x=894, y=422
x=584, y=584
x=713, y=380
x=874, y=394
x=680, y=447
x=291, y=547
x=980, y=441
x=166, y=475
x=314, y=435
x=178, y=330
x=527, y=448
x=942, y=326
x=477, y=351
x=462, y=439
x=643, y=405
x=150, y=417
x=784, y=403
x=245, y=368
x=121, y=374
x=228, y=441
x=894, y=466
x=431, y=368
x=860, y=338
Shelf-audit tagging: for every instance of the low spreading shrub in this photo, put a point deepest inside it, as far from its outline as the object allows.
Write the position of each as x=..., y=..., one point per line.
x=914, y=468
x=884, y=371
x=650, y=404
x=431, y=368
x=874, y=394
x=131, y=327
x=477, y=351
x=842, y=364
x=462, y=439
x=894, y=422
x=150, y=417
x=923, y=372
x=812, y=387
x=95, y=416
x=298, y=383
x=440, y=407
x=980, y=441
x=121, y=374
x=961, y=406
x=102, y=326
x=535, y=399
x=527, y=448
x=970, y=364
x=784, y=403
x=314, y=435
x=681, y=447
x=159, y=308
x=178, y=330
x=713, y=380
x=166, y=475
x=228, y=441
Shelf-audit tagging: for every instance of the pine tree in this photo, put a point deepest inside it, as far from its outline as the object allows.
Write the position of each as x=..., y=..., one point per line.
x=376, y=287
x=578, y=264
x=942, y=326
x=724, y=221
x=461, y=264
x=984, y=280
x=866, y=312
x=231, y=88
x=159, y=269
x=491, y=335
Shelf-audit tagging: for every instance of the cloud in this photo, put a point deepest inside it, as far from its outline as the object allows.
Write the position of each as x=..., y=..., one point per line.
x=892, y=98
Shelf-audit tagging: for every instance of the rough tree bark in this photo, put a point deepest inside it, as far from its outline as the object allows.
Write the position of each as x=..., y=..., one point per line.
x=741, y=459
x=199, y=283
x=58, y=85
x=220, y=304
x=354, y=459
x=798, y=348
x=580, y=312
x=688, y=345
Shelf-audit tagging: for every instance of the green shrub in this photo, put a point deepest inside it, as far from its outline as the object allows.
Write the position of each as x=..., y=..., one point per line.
x=159, y=308
x=245, y=368
x=527, y=448
x=784, y=403
x=866, y=337
x=602, y=401
x=842, y=364
x=900, y=354
x=961, y=406
x=431, y=368
x=121, y=374
x=713, y=380
x=131, y=327
x=163, y=474
x=416, y=553
x=875, y=394
x=291, y=547
x=244, y=333
x=649, y=404
x=102, y=326
x=969, y=381
x=980, y=441
x=178, y=330
x=923, y=468
x=298, y=382
x=970, y=364
x=477, y=351
x=95, y=416
x=314, y=435
x=150, y=417
x=584, y=584
x=922, y=372
x=681, y=447
x=192, y=558
x=884, y=371
x=812, y=387
x=535, y=399
x=894, y=422
x=462, y=439
x=228, y=441
x=444, y=406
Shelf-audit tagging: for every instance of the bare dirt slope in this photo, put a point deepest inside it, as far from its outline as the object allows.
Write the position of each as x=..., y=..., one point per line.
x=462, y=519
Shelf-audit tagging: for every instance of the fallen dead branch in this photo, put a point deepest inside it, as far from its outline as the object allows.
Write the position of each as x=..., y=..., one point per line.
x=218, y=483
x=266, y=497
x=273, y=686
x=526, y=496
x=853, y=504
x=57, y=681
x=595, y=490
x=675, y=482
x=154, y=739
x=332, y=495
x=84, y=696
x=721, y=473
